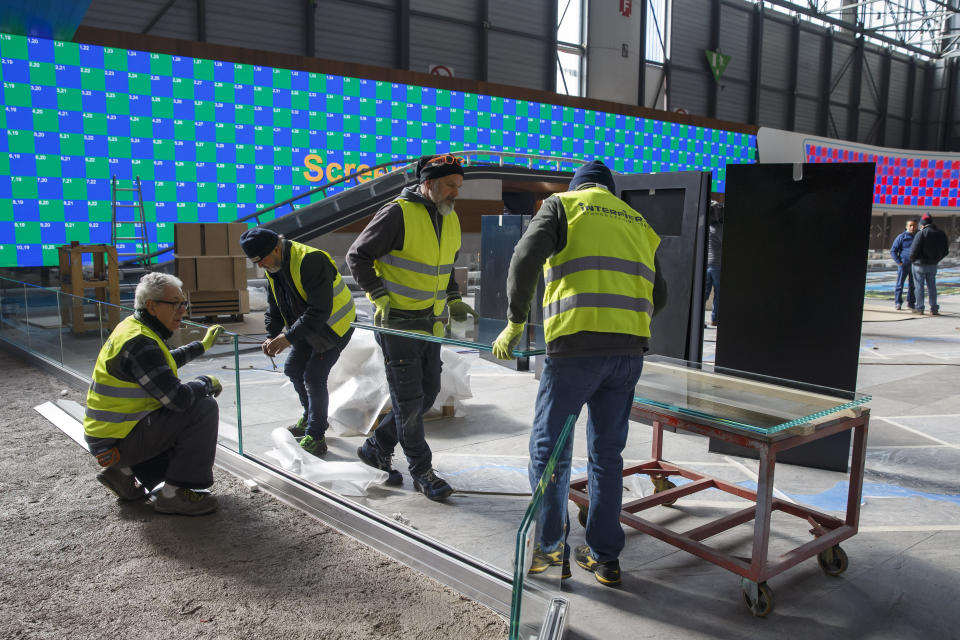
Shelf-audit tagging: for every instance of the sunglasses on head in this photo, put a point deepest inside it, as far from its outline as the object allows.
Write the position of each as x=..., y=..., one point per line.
x=446, y=159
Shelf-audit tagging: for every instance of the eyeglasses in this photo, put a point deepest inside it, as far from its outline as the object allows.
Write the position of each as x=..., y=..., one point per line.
x=447, y=159
x=176, y=304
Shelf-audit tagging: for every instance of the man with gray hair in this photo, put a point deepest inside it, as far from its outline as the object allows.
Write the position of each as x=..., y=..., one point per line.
x=142, y=423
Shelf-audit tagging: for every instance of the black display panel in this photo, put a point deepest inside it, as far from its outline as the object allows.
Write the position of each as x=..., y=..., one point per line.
x=794, y=269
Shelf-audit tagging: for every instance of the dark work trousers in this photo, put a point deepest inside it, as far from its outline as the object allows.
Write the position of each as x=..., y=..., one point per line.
x=413, y=374
x=176, y=447
x=904, y=273
x=308, y=370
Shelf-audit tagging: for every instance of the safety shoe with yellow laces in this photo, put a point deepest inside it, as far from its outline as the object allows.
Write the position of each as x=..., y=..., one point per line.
x=607, y=573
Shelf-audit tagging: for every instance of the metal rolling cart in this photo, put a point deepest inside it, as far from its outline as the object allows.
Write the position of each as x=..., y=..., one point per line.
x=762, y=414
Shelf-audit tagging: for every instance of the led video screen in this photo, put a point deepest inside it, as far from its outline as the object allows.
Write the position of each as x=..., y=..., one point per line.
x=212, y=141
x=908, y=181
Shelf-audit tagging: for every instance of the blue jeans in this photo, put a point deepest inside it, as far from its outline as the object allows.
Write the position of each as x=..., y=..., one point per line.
x=308, y=370
x=926, y=275
x=713, y=282
x=904, y=272
x=606, y=385
x=413, y=374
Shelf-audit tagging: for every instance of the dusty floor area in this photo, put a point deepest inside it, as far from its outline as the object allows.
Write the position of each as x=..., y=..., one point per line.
x=79, y=564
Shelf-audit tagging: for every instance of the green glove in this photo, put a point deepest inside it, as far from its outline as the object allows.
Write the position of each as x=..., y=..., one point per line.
x=382, y=312
x=507, y=340
x=212, y=334
x=459, y=309
x=215, y=386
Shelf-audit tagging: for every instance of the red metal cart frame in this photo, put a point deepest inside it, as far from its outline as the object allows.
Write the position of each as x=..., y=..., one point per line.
x=827, y=530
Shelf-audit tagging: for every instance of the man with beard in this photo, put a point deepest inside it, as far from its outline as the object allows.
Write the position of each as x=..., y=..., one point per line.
x=310, y=310
x=404, y=261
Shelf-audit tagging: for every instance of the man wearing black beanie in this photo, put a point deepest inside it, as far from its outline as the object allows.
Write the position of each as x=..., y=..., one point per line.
x=598, y=259
x=404, y=261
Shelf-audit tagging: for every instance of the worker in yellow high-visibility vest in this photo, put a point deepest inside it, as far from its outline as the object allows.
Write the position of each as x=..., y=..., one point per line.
x=142, y=423
x=603, y=285
x=310, y=310
x=404, y=260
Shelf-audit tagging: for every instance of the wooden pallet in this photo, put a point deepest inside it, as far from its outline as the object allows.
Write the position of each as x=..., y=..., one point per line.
x=212, y=304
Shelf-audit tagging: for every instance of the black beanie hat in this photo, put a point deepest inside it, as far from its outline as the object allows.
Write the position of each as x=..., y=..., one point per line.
x=431, y=171
x=258, y=242
x=594, y=171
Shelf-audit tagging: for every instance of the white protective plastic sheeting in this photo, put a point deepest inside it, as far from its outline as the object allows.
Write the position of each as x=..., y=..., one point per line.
x=258, y=298
x=345, y=478
x=358, y=385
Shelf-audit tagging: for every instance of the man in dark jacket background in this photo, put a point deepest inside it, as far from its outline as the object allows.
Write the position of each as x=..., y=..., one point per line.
x=714, y=246
x=930, y=246
x=309, y=298
x=900, y=252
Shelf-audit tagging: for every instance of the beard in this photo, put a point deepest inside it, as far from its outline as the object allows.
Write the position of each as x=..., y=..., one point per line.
x=275, y=269
x=444, y=205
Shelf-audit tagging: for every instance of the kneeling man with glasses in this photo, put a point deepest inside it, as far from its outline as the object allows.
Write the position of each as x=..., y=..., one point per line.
x=142, y=423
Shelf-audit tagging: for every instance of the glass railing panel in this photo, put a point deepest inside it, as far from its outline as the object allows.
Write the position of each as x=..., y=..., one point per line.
x=220, y=362
x=42, y=322
x=737, y=399
x=13, y=312
x=537, y=608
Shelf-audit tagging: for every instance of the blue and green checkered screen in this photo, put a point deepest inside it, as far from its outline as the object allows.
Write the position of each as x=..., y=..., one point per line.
x=212, y=141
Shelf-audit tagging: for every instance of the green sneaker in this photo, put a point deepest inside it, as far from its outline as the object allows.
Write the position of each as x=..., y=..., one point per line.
x=314, y=446
x=543, y=561
x=606, y=573
x=300, y=428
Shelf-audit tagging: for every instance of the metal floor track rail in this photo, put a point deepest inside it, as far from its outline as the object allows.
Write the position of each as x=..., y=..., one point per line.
x=483, y=583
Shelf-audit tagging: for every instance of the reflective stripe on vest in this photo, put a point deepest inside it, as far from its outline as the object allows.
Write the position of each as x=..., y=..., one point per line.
x=602, y=280
x=115, y=406
x=416, y=276
x=343, y=312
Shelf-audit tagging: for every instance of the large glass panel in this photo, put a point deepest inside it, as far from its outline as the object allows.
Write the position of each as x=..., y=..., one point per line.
x=471, y=333
x=13, y=311
x=737, y=399
x=42, y=320
x=537, y=606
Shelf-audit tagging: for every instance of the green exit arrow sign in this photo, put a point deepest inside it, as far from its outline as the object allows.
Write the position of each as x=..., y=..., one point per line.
x=718, y=63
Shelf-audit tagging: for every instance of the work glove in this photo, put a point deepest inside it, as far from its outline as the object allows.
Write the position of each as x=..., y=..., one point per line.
x=215, y=386
x=382, y=312
x=507, y=340
x=212, y=334
x=459, y=309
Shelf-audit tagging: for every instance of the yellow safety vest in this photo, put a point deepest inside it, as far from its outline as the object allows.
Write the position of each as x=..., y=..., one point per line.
x=417, y=275
x=602, y=280
x=115, y=406
x=343, y=311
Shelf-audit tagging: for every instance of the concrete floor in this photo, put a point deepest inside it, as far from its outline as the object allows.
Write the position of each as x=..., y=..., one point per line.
x=901, y=582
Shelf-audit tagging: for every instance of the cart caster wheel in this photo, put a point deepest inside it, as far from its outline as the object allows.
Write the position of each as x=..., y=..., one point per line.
x=582, y=516
x=661, y=484
x=762, y=604
x=833, y=561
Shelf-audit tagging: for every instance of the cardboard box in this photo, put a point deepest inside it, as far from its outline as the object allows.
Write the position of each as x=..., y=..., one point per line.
x=187, y=271
x=187, y=239
x=222, y=239
x=208, y=238
x=221, y=273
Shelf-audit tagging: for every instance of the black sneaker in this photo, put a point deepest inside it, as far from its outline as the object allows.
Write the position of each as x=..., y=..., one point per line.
x=543, y=561
x=432, y=486
x=371, y=459
x=315, y=446
x=300, y=428
x=123, y=485
x=607, y=573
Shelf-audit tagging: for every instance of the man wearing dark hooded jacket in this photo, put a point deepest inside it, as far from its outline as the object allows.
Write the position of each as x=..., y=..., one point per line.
x=404, y=261
x=930, y=246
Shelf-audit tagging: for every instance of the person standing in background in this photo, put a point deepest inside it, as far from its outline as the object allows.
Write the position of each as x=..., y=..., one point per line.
x=900, y=252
